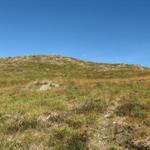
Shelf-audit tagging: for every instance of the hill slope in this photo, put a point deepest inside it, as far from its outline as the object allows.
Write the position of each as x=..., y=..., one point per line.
x=56, y=102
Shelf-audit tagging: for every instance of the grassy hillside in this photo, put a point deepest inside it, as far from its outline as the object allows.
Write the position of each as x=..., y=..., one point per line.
x=61, y=103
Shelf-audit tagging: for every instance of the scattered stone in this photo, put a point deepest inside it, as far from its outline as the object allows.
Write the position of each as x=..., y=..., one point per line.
x=43, y=85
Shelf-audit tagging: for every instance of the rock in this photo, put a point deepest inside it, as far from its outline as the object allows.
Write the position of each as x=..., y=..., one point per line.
x=42, y=85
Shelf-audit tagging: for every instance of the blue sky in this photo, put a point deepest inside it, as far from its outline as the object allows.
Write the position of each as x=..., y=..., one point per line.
x=113, y=31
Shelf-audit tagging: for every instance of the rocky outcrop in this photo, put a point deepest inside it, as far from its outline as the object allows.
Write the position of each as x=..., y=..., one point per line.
x=43, y=85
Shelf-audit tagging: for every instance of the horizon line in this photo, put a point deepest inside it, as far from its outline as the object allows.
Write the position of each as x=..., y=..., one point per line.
x=56, y=54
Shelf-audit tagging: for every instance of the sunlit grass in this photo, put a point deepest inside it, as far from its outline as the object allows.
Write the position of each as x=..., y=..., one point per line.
x=65, y=117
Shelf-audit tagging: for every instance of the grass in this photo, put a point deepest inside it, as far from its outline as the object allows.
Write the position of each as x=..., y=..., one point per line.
x=92, y=105
x=136, y=108
x=68, y=117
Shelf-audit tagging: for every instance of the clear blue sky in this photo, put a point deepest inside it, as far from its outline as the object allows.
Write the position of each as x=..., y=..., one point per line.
x=116, y=31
